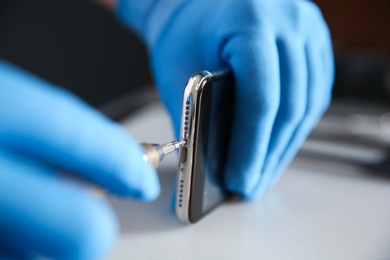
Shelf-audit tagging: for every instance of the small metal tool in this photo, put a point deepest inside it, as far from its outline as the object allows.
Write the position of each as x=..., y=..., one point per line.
x=154, y=153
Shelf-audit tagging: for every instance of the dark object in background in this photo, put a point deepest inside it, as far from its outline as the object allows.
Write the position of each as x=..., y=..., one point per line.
x=361, y=39
x=358, y=24
x=74, y=44
x=363, y=74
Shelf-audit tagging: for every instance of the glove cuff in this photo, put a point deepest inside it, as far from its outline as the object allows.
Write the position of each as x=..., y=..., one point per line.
x=148, y=17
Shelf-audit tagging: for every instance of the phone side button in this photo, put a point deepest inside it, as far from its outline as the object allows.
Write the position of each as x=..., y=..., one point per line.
x=183, y=155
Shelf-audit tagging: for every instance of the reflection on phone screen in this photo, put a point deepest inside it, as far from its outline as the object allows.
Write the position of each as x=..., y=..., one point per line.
x=213, y=137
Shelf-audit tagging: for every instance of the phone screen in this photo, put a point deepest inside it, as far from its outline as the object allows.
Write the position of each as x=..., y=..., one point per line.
x=213, y=134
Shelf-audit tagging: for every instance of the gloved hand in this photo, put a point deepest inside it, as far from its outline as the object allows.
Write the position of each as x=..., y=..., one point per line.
x=281, y=55
x=44, y=131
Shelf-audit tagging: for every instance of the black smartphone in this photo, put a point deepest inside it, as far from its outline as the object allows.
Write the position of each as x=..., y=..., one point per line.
x=206, y=122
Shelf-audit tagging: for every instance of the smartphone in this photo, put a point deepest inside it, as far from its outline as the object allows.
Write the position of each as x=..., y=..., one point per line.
x=207, y=113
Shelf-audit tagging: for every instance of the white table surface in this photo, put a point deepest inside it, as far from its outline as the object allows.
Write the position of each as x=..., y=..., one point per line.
x=316, y=211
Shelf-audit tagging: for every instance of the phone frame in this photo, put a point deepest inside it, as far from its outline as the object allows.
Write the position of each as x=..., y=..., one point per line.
x=191, y=108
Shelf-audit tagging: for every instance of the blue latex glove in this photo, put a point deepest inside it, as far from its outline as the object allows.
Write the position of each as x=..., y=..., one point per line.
x=281, y=55
x=45, y=130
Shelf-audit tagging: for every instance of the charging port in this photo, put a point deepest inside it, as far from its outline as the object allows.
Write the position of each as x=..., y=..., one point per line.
x=183, y=155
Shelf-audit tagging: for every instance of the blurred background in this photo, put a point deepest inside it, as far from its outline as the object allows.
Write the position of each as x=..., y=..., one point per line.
x=80, y=46
x=361, y=40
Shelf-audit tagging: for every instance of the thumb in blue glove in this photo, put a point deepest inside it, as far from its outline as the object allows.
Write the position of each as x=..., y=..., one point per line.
x=44, y=129
x=281, y=55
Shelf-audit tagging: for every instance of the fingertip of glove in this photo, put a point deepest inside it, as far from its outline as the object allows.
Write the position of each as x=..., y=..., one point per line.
x=238, y=183
x=96, y=233
x=88, y=232
x=254, y=195
x=125, y=172
x=145, y=186
x=142, y=185
x=247, y=189
x=151, y=190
